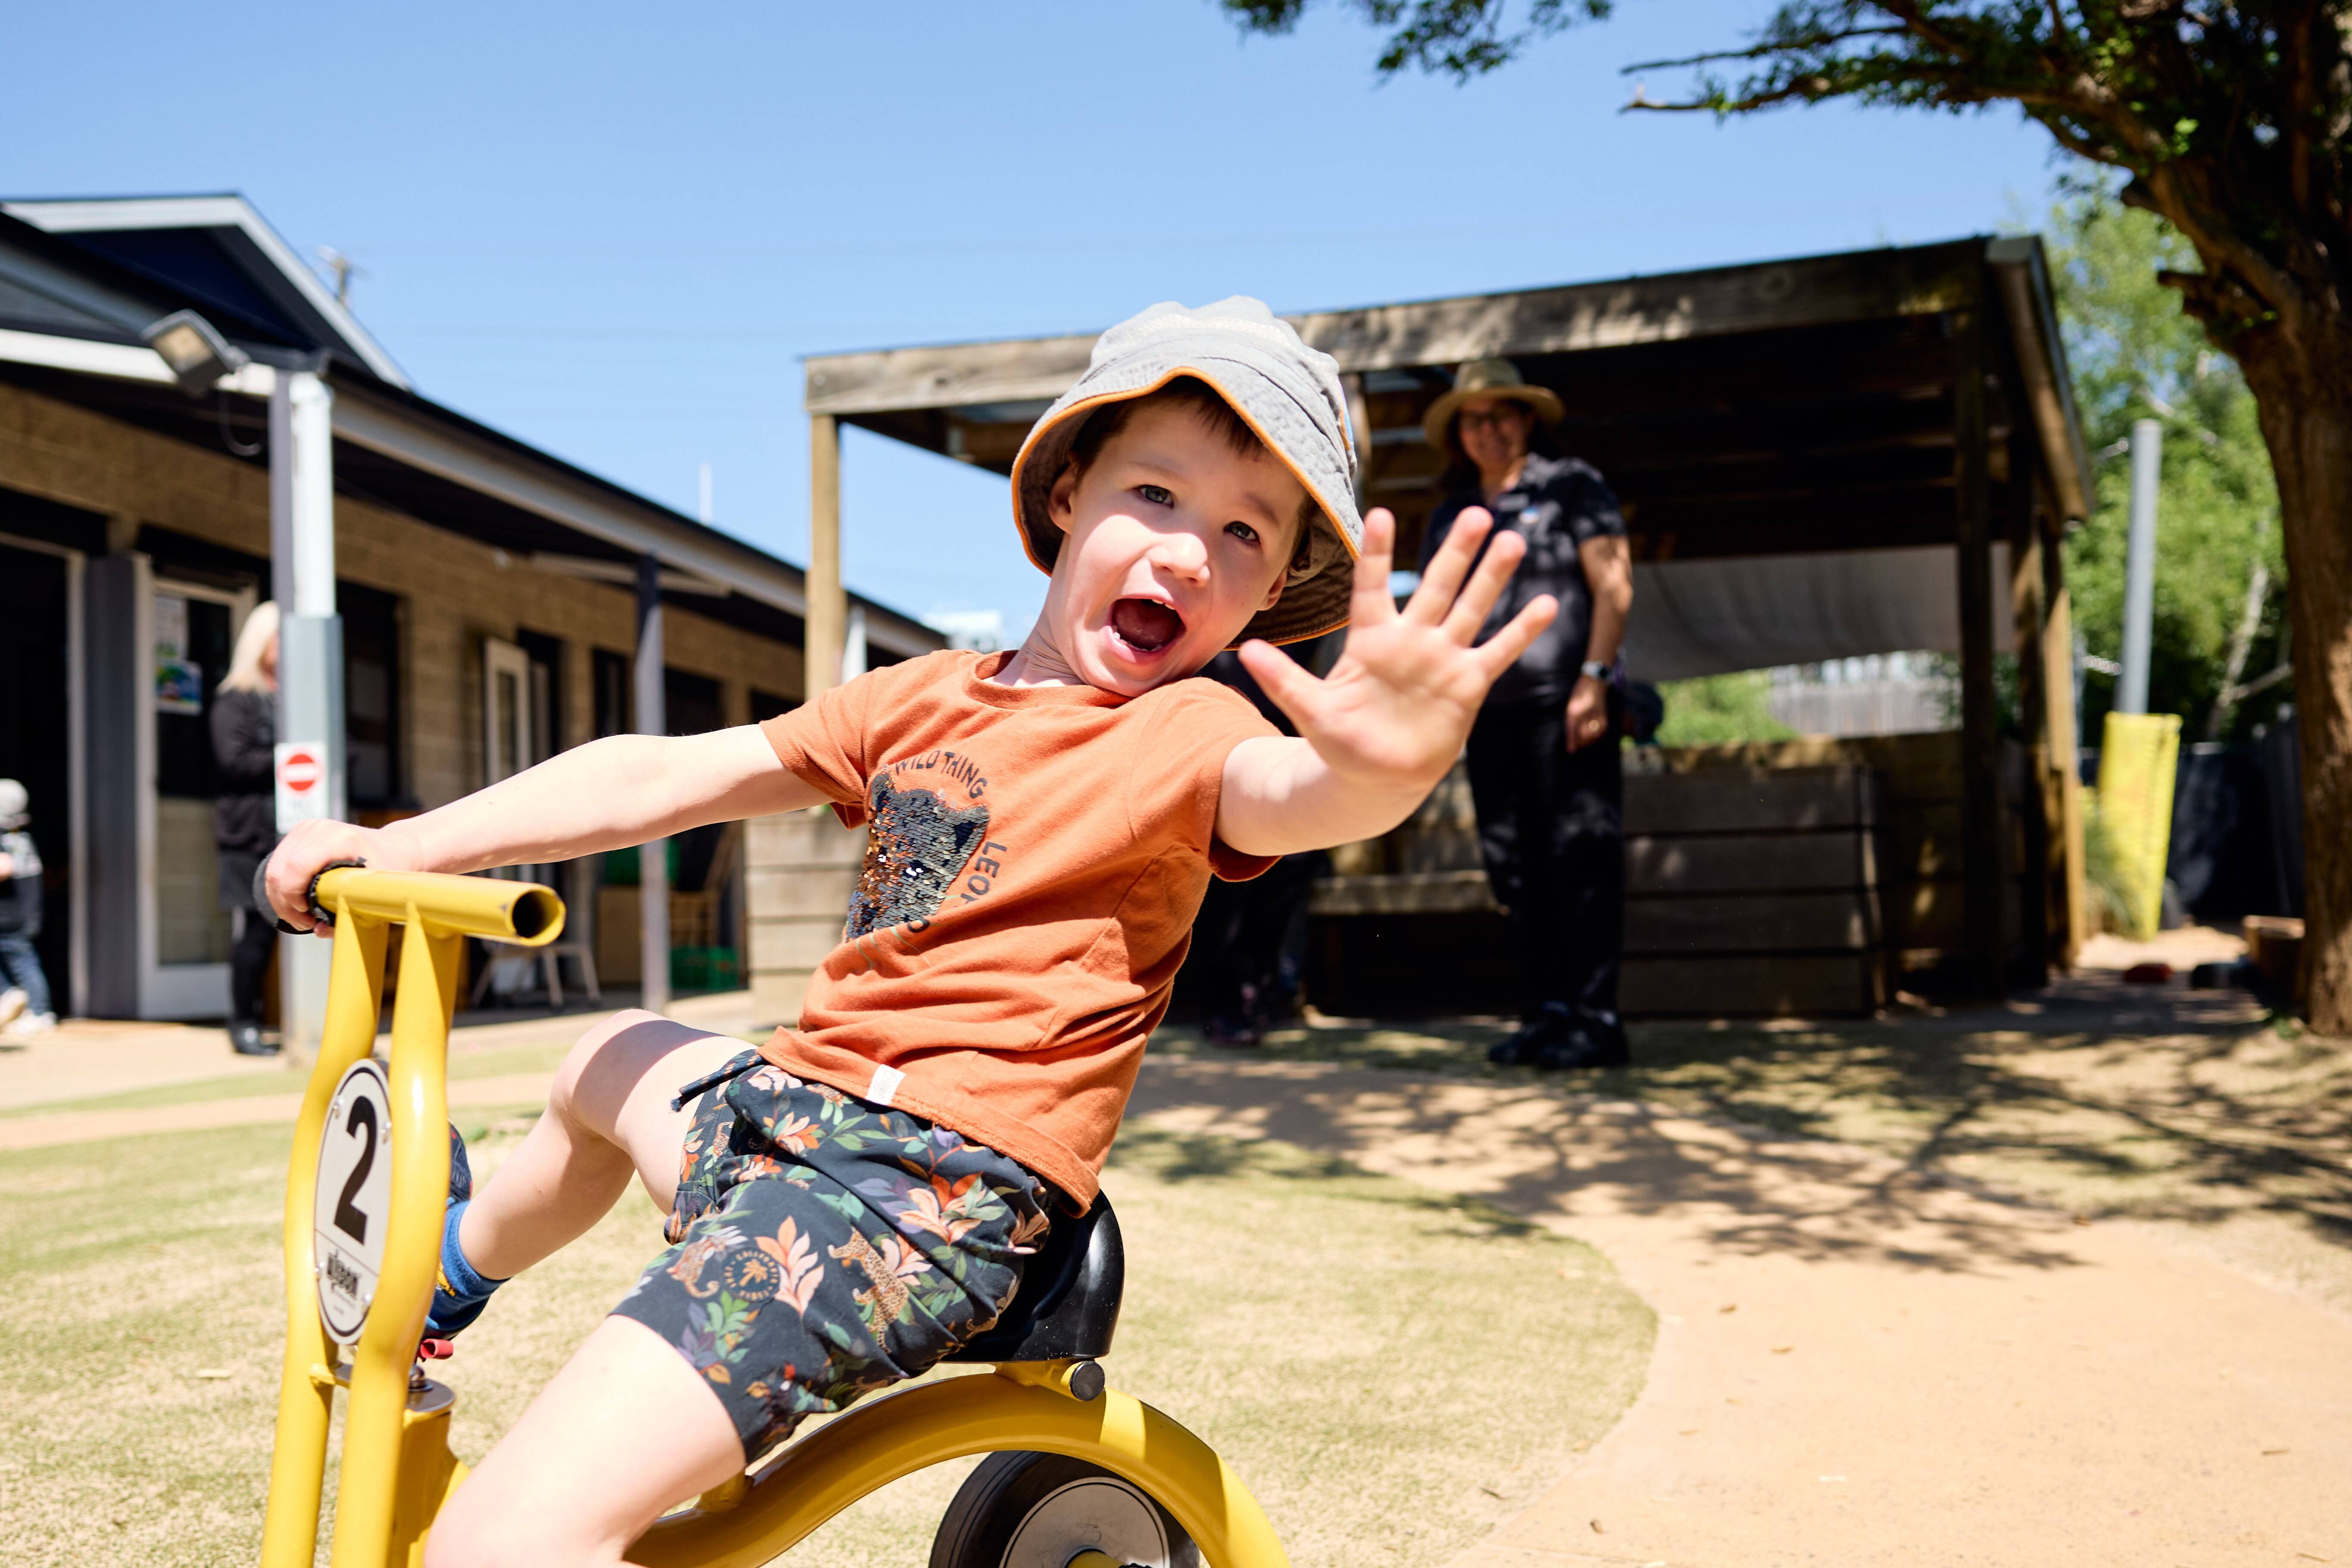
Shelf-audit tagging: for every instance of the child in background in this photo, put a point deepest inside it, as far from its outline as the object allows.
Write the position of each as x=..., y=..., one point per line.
x=856, y=1197
x=24, y=1005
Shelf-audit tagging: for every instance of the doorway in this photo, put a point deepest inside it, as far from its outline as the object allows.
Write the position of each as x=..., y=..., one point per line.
x=37, y=740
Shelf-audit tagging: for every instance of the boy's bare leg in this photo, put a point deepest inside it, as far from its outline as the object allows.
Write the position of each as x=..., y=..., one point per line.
x=608, y=1117
x=624, y=1432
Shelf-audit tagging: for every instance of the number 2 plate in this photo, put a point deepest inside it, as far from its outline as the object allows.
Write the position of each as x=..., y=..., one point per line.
x=355, y=1198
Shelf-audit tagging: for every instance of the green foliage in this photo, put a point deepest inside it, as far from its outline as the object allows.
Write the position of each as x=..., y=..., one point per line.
x=2135, y=356
x=2229, y=118
x=1715, y=710
x=1460, y=38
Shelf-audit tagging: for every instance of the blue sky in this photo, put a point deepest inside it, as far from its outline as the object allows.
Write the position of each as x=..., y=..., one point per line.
x=611, y=231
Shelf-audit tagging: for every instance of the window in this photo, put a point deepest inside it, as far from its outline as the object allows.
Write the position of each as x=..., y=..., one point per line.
x=371, y=696
x=609, y=673
x=691, y=704
x=766, y=705
x=549, y=735
x=508, y=732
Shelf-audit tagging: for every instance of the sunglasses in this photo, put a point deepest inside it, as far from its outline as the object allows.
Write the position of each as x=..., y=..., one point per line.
x=1502, y=417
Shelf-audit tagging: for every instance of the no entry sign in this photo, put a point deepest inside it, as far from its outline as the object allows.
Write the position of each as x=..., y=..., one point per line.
x=301, y=782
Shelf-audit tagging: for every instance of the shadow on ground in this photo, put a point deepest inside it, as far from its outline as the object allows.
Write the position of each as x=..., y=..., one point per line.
x=2107, y=1100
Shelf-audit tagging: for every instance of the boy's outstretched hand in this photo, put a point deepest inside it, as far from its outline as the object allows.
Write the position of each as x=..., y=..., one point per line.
x=1388, y=720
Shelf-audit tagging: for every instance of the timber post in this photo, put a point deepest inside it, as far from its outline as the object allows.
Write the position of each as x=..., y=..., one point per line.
x=828, y=609
x=2028, y=612
x=1980, y=737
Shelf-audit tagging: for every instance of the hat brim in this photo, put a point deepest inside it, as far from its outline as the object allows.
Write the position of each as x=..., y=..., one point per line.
x=1438, y=423
x=1308, y=608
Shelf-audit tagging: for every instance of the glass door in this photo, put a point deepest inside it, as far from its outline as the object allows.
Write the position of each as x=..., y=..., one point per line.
x=192, y=629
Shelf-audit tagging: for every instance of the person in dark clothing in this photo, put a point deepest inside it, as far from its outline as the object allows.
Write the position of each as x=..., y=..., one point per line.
x=1238, y=937
x=1543, y=760
x=245, y=813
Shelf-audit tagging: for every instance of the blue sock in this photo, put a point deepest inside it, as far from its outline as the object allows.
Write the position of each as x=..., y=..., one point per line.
x=461, y=1291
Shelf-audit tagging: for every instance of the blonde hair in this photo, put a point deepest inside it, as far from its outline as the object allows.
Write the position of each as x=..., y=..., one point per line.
x=253, y=639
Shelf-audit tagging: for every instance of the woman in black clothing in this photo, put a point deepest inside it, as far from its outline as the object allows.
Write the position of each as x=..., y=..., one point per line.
x=245, y=813
x=1543, y=755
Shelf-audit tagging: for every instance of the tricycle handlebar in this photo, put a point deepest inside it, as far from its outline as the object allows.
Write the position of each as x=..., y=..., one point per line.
x=484, y=906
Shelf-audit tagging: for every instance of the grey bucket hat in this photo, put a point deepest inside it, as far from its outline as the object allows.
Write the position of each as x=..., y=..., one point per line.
x=1287, y=392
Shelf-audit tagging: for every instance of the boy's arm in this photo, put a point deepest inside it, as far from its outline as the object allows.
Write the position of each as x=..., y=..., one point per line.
x=1378, y=732
x=608, y=794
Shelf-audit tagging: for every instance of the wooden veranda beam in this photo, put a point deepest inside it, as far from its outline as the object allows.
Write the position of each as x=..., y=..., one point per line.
x=1806, y=291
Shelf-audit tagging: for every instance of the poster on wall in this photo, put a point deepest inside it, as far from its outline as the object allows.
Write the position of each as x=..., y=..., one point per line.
x=179, y=681
x=179, y=686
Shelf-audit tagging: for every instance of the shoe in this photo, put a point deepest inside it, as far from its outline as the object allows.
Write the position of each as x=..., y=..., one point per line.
x=1585, y=1047
x=31, y=1024
x=245, y=1039
x=1232, y=1033
x=11, y=1004
x=1550, y=1024
x=1593, y=1040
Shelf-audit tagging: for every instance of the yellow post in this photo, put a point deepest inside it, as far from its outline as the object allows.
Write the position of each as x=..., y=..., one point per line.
x=420, y=1187
x=290, y=1531
x=2139, y=755
x=397, y=1466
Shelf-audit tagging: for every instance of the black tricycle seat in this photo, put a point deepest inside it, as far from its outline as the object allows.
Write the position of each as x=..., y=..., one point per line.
x=1066, y=1308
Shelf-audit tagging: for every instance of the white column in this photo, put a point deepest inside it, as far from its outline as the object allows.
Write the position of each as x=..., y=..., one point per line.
x=852, y=646
x=653, y=859
x=310, y=648
x=2140, y=566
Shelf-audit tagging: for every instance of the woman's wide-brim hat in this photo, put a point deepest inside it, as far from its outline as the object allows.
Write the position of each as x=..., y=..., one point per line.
x=1286, y=391
x=1484, y=379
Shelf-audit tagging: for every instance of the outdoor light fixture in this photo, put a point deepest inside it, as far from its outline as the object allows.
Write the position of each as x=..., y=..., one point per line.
x=198, y=355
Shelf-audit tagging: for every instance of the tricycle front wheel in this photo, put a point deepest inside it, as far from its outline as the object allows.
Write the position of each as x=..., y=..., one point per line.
x=1040, y=1510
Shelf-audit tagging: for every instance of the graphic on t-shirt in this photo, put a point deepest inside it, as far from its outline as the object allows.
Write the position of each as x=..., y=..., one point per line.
x=915, y=847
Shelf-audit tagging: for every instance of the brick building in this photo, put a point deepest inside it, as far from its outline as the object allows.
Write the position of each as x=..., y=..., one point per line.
x=491, y=599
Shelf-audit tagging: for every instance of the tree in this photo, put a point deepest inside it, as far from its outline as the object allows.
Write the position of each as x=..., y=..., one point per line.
x=2229, y=118
x=2219, y=616
x=1711, y=710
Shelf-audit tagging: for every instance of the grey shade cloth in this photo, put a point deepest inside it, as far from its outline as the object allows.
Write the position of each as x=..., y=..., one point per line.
x=1287, y=392
x=1718, y=614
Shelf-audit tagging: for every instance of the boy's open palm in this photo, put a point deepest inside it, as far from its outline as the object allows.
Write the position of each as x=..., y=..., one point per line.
x=1395, y=709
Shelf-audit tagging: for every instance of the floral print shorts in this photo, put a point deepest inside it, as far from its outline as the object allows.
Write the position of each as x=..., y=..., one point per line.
x=822, y=1248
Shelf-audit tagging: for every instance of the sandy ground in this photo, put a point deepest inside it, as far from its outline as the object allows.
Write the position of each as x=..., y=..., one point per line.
x=1856, y=1364
x=85, y=1057
x=90, y=1059
x=1862, y=1358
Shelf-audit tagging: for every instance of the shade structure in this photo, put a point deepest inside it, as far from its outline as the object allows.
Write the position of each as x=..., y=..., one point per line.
x=1818, y=458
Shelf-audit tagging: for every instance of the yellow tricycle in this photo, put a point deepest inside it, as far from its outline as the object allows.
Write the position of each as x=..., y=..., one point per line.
x=1079, y=1475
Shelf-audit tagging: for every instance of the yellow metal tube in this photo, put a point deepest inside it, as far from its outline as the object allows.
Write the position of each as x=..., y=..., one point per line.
x=298, y=1464
x=488, y=907
x=895, y=1435
x=420, y=1185
x=385, y=1441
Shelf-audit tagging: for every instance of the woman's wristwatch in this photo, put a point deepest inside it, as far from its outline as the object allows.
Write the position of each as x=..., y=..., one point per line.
x=1599, y=671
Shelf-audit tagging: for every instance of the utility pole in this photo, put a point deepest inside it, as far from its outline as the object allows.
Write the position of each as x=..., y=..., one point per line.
x=653, y=859
x=310, y=661
x=2139, y=567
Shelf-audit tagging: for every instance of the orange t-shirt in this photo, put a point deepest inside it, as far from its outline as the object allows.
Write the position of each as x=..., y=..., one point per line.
x=1035, y=860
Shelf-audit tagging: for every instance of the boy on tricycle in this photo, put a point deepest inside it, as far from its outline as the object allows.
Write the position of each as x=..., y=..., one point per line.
x=858, y=1197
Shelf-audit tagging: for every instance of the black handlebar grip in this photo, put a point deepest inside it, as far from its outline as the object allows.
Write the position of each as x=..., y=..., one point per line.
x=325, y=922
